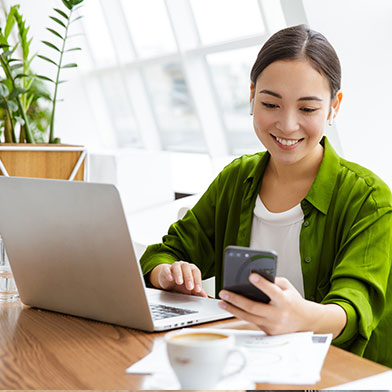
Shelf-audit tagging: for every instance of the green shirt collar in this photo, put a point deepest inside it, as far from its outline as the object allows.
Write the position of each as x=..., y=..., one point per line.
x=320, y=193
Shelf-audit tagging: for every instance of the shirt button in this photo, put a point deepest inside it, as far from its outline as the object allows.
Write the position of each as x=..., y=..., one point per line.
x=306, y=223
x=308, y=259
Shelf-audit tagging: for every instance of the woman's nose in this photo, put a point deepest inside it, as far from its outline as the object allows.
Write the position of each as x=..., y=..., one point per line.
x=287, y=122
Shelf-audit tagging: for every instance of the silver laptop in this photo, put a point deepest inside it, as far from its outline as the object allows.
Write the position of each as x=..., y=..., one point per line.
x=70, y=251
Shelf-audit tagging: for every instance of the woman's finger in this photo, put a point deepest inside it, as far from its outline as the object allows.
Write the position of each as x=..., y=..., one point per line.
x=188, y=275
x=176, y=270
x=197, y=279
x=259, y=309
x=260, y=322
x=271, y=289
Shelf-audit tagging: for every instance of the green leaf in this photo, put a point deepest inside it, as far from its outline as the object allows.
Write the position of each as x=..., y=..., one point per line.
x=22, y=76
x=62, y=13
x=20, y=120
x=55, y=33
x=10, y=21
x=12, y=106
x=45, y=78
x=7, y=53
x=71, y=3
x=16, y=92
x=29, y=82
x=28, y=62
x=71, y=65
x=68, y=4
x=62, y=81
x=3, y=90
x=51, y=46
x=16, y=66
x=73, y=49
x=74, y=3
x=4, y=46
x=77, y=18
x=48, y=60
x=58, y=21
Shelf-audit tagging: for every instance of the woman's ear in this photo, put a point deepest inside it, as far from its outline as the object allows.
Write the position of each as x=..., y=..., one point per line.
x=251, y=98
x=252, y=91
x=336, y=102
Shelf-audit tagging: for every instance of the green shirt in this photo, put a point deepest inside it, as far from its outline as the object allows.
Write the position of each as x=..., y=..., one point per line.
x=345, y=242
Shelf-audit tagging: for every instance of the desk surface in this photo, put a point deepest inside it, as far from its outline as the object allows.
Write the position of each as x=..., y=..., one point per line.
x=46, y=350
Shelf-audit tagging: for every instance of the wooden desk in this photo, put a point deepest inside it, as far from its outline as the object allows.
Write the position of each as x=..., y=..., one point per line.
x=45, y=350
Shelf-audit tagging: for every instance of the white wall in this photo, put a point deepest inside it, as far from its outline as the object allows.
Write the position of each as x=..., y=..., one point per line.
x=361, y=32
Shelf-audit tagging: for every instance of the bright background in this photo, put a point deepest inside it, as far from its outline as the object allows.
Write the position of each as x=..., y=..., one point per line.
x=161, y=94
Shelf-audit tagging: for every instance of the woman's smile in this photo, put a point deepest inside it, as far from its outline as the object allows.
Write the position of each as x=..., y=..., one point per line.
x=286, y=144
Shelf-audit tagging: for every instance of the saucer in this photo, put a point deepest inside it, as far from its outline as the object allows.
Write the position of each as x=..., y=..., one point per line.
x=168, y=381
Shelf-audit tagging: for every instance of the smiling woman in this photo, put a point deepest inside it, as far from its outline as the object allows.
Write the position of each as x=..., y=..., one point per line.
x=328, y=219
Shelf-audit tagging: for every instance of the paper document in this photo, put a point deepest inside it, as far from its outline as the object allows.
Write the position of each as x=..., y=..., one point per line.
x=382, y=381
x=295, y=358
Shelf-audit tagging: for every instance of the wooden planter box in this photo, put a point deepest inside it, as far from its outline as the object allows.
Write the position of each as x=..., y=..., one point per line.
x=61, y=161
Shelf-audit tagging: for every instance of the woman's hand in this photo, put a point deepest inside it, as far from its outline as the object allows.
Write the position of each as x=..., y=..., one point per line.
x=286, y=312
x=180, y=276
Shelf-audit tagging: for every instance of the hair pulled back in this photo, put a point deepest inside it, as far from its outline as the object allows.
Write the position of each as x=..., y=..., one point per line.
x=296, y=43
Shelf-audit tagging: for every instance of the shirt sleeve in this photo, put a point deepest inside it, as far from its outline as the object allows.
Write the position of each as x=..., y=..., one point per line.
x=359, y=281
x=189, y=239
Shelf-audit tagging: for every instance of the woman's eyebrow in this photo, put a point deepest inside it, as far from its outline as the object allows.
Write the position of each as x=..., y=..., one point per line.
x=309, y=98
x=270, y=93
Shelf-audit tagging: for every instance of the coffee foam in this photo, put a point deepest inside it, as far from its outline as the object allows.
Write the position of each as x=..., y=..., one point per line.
x=197, y=337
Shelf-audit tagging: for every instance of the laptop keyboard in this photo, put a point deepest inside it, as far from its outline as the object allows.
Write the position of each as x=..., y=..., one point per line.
x=160, y=312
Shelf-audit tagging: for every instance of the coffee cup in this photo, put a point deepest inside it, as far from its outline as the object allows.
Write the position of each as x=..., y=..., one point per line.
x=199, y=358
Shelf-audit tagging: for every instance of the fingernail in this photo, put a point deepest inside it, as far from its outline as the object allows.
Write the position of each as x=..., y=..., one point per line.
x=254, y=278
x=198, y=288
x=170, y=277
x=179, y=280
x=189, y=285
x=224, y=295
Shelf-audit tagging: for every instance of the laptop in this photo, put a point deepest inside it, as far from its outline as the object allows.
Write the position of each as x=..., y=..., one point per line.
x=70, y=251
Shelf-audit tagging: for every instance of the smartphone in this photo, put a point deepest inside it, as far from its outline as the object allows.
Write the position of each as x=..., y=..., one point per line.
x=240, y=262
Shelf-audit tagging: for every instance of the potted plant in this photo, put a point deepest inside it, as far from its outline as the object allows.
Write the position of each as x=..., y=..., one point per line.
x=28, y=146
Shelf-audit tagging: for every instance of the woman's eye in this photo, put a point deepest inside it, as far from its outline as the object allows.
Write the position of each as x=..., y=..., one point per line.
x=270, y=105
x=308, y=110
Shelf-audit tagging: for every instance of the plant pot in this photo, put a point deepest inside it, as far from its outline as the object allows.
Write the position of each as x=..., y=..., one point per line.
x=58, y=161
x=62, y=162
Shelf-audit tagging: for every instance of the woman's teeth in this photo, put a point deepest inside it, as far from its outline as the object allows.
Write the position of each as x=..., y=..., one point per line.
x=287, y=142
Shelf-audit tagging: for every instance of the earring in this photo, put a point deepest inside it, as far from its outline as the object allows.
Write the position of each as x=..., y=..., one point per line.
x=251, y=106
x=331, y=117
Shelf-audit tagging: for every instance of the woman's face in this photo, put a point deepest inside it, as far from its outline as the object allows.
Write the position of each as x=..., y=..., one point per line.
x=292, y=102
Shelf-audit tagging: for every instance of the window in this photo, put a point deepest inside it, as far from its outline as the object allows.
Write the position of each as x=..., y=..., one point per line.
x=173, y=107
x=150, y=28
x=235, y=19
x=230, y=72
x=189, y=63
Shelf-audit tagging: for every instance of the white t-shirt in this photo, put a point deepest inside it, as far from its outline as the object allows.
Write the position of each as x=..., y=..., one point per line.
x=280, y=232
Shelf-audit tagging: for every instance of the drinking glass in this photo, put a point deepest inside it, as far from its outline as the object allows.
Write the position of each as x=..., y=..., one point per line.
x=8, y=290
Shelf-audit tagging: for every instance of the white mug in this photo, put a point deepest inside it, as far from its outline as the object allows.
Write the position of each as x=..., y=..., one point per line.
x=198, y=358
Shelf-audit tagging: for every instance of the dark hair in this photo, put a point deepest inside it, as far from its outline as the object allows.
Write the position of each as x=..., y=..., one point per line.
x=300, y=42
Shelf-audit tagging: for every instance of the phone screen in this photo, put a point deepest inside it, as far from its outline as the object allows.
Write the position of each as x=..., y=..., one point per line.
x=240, y=262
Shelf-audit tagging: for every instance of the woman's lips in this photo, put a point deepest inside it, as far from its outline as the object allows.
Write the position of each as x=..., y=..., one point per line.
x=286, y=144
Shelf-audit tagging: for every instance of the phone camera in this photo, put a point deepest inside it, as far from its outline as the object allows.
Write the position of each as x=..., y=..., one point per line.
x=246, y=254
x=231, y=254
